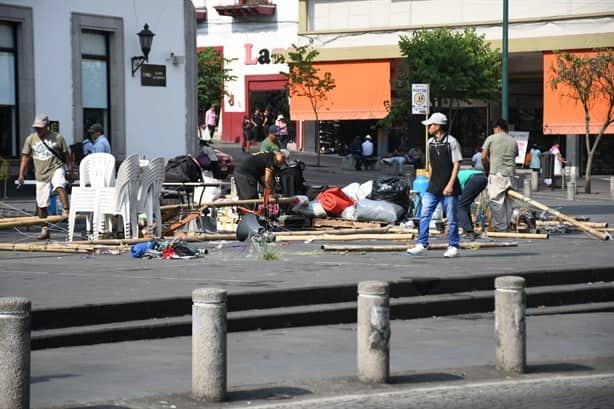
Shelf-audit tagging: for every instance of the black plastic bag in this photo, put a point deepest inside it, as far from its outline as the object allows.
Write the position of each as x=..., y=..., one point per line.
x=182, y=169
x=391, y=189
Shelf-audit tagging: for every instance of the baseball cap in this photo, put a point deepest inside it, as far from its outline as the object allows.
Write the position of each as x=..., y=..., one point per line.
x=41, y=121
x=273, y=129
x=368, y=137
x=95, y=128
x=437, y=118
x=280, y=117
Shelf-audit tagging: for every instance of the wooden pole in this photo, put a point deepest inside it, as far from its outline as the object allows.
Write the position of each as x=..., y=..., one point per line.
x=509, y=235
x=399, y=247
x=338, y=232
x=189, y=239
x=589, y=230
x=205, y=205
x=31, y=222
x=594, y=225
x=345, y=237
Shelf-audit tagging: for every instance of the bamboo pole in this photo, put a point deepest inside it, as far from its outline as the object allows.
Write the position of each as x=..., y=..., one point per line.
x=32, y=222
x=508, y=235
x=338, y=232
x=346, y=237
x=204, y=205
x=594, y=225
x=592, y=232
x=399, y=247
x=189, y=239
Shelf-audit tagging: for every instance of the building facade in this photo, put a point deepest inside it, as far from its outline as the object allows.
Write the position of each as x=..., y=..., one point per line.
x=358, y=35
x=248, y=33
x=74, y=61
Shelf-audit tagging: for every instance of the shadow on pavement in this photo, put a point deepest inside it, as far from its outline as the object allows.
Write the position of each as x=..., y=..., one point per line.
x=271, y=393
x=47, y=378
x=425, y=378
x=561, y=367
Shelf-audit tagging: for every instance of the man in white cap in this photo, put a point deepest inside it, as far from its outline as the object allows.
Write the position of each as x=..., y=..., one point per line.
x=366, y=152
x=50, y=153
x=445, y=158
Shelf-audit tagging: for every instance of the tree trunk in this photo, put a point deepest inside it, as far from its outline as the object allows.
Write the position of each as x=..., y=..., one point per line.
x=589, y=165
x=317, y=134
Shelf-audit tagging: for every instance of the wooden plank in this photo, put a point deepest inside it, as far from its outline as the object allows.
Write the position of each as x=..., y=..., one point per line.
x=398, y=247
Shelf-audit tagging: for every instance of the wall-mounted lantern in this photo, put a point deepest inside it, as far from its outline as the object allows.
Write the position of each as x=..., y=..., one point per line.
x=145, y=40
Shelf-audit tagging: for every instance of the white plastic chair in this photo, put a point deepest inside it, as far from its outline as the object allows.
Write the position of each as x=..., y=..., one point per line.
x=149, y=194
x=96, y=171
x=122, y=198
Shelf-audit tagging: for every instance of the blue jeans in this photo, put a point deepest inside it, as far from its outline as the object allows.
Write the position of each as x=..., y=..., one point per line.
x=450, y=205
x=398, y=162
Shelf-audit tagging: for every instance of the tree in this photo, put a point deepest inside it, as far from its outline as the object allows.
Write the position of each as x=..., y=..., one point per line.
x=458, y=66
x=213, y=74
x=589, y=80
x=304, y=80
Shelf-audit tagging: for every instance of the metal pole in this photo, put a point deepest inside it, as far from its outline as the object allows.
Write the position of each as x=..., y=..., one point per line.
x=209, y=344
x=504, y=54
x=510, y=332
x=373, y=333
x=15, y=353
x=526, y=188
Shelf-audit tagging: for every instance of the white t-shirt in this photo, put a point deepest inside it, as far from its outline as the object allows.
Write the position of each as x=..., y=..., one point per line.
x=367, y=148
x=558, y=165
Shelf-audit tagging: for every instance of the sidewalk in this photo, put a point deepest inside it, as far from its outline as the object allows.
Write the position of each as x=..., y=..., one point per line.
x=306, y=363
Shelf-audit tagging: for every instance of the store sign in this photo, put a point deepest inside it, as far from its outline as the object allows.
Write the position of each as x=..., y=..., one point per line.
x=420, y=99
x=153, y=75
x=263, y=56
x=522, y=141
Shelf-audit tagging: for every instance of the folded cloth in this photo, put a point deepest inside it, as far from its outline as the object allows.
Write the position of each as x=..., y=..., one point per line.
x=497, y=186
x=138, y=250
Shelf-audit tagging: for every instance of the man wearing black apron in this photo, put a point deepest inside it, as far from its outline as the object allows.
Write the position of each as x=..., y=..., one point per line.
x=445, y=157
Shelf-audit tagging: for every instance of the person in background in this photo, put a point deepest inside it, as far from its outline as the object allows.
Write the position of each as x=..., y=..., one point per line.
x=356, y=151
x=498, y=158
x=283, y=131
x=536, y=161
x=248, y=133
x=476, y=159
x=366, y=152
x=87, y=146
x=267, y=118
x=211, y=120
x=101, y=143
x=416, y=156
x=445, y=158
x=270, y=144
x=472, y=182
x=559, y=160
x=50, y=153
x=397, y=159
x=257, y=124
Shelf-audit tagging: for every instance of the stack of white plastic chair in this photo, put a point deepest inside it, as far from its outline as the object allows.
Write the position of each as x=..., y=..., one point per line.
x=149, y=194
x=96, y=171
x=122, y=198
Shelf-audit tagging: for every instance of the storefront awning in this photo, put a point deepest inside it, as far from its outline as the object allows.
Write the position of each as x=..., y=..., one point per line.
x=360, y=92
x=564, y=115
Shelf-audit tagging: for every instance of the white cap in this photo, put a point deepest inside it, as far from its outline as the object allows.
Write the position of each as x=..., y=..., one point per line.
x=280, y=117
x=437, y=118
x=368, y=137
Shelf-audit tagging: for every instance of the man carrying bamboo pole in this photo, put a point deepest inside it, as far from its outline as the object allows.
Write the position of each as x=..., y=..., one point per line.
x=498, y=157
x=50, y=153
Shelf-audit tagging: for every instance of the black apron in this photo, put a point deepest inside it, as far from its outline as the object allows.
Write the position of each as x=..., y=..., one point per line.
x=440, y=155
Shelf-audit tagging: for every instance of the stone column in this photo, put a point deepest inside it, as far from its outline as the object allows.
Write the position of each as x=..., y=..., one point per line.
x=15, y=353
x=209, y=344
x=534, y=181
x=510, y=329
x=373, y=333
x=612, y=186
x=571, y=190
x=526, y=187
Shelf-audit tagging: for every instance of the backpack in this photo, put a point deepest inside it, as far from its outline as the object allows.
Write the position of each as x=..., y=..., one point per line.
x=182, y=169
x=292, y=181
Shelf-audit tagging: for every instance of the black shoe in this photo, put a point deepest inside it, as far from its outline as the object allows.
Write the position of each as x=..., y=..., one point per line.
x=470, y=235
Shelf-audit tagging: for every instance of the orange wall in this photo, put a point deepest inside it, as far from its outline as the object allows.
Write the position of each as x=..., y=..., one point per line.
x=563, y=115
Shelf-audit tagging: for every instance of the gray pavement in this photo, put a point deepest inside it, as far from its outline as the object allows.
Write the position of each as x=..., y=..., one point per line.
x=316, y=363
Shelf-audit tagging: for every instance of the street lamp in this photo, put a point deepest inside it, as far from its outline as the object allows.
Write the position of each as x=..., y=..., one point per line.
x=145, y=40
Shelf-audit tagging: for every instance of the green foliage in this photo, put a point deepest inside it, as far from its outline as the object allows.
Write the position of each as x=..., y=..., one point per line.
x=212, y=75
x=304, y=80
x=458, y=66
x=587, y=79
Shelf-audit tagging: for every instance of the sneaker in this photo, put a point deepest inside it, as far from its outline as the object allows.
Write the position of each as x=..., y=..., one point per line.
x=451, y=252
x=470, y=235
x=44, y=234
x=416, y=250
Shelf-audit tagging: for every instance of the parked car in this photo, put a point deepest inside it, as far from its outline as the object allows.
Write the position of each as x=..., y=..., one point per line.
x=226, y=165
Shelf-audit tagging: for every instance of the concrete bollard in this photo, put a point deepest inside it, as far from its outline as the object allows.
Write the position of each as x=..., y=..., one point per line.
x=15, y=353
x=612, y=186
x=209, y=344
x=526, y=187
x=571, y=190
x=534, y=181
x=510, y=331
x=373, y=333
